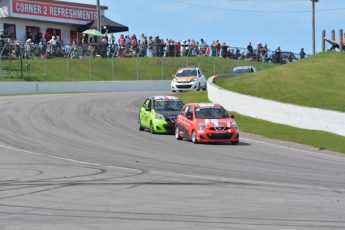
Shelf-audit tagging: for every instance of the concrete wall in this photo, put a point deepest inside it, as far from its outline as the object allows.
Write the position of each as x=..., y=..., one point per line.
x=89, y=86
x=282, y=113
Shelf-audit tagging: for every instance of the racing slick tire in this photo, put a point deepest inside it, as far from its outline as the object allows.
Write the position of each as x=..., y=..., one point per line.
x=205, y=87
x=152, y=130
x=177, y=134
x=197, y=89
x=139, y=125
x=194, y=140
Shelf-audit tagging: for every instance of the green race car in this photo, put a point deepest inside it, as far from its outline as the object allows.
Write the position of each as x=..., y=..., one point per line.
x=159, y=113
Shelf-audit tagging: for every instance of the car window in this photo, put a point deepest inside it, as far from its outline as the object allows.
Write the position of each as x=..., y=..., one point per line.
x=146, y=103
x=189, y=111
x=159, y=105
x=212, y=112
x=185, y=111
x=183, y=73
x=168, y=105
x=173, y=105
x=149, y=104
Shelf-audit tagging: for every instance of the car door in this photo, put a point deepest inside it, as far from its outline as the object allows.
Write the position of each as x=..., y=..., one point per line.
x=188, y=123
x=181, y=119
x=145, y=113
x=202, y=78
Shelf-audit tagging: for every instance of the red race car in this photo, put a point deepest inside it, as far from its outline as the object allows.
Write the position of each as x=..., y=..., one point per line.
x=206, y=122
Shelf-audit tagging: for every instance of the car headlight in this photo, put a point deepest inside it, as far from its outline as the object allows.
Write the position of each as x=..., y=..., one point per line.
x=193, y=80
x=233, y=124
x=202, y=125
x=159, y=116
x=174, y=79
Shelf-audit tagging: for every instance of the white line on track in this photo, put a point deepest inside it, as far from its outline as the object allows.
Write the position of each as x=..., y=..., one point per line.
x=231, y=180
x=294, y=149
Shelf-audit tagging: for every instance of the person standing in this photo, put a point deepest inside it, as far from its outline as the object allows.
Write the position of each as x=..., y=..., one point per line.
x=177, y=49
x=29, y=34
x=249, y=50
x=224, y=50
x=277, y=55
x=103, y=48
x=217, y=44
x=111, y=39
x=121, y=41
x=213, y=48
x=302, y=53
x=2, y=38
x=149, y=46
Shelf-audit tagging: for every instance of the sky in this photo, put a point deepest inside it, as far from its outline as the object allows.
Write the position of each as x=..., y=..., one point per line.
x=284, y=23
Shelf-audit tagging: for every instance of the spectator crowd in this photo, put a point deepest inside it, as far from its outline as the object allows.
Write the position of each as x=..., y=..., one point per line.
x=51, y=45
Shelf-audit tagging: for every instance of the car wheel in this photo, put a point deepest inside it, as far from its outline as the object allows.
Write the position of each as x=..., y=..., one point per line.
x=205, y=87
x=139, y=125
x=194, y=140
x=234, y=142
x=152, y=131
x=197, y=89
x=177, y=134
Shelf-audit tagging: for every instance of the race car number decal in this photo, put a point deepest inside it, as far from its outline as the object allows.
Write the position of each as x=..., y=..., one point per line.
x=145, y=118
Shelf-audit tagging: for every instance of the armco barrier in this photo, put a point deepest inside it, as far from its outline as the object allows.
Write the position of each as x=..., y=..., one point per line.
x=282, y=113
x=82, y=87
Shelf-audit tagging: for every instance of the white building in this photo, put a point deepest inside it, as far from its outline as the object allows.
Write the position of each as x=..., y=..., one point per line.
x=17, y=17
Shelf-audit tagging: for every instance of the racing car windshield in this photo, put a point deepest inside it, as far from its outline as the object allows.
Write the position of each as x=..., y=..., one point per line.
x=186, y=73
x=235, y=71
x=170, y=105
x=211, y=113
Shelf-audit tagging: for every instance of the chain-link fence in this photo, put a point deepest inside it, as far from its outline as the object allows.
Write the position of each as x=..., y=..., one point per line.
x=90, y=62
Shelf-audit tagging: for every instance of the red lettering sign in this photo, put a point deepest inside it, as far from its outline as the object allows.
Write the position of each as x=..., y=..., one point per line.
x=53, y=11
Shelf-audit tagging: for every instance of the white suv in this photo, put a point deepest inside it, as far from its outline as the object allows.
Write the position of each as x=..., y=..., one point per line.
x=189, y=78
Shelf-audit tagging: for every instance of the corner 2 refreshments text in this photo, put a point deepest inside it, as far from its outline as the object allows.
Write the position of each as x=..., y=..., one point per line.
x=47, y=10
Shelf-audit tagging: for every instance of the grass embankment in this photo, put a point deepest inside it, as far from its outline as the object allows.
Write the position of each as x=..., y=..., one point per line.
x=119, y=69
x=318, y=82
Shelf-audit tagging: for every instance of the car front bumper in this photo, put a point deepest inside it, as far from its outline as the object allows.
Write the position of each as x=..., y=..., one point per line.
x=163, y=126
x=204, y=135
x=184, y=86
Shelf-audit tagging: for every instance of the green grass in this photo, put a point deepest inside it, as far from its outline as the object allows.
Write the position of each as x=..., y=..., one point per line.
x=318, y=139
x=318, y=82
x=98, y=69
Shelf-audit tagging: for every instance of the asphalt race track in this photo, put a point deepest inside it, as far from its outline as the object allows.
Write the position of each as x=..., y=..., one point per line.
x=78, y=161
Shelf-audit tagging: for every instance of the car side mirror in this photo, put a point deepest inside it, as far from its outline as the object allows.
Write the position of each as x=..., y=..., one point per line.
x=232, y=116
x=147, y=109
x=173, y=75
x=189, y=117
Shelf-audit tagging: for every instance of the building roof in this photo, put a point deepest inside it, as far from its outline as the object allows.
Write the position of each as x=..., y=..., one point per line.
x=57, y=2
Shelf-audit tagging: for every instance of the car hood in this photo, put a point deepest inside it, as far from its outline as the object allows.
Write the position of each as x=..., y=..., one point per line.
x=217, y=123
x=188, y=78
x=169, y=113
